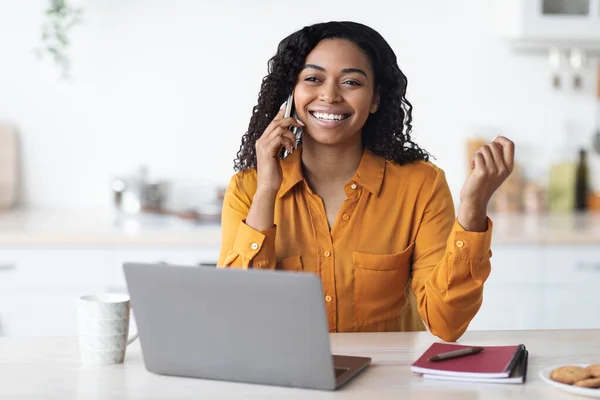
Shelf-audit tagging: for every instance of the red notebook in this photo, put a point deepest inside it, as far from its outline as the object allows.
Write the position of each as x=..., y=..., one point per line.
x=492, y=362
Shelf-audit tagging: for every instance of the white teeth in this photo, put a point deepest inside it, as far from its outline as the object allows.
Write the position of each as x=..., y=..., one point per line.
x=329, y=117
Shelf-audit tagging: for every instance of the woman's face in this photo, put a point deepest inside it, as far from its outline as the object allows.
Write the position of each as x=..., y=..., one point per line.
x=335, y=92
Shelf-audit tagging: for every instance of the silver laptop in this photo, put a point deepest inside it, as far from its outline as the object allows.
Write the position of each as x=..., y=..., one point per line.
x=266, y=327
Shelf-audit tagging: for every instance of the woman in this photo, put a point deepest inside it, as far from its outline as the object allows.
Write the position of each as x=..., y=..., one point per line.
x=358, y=202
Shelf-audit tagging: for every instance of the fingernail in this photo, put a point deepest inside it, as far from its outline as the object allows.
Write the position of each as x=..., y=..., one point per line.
x=300, y=122
x=282, y=105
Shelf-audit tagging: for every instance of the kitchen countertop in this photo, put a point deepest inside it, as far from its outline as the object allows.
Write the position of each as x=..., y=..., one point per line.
x=546, y=229
x=101, y=228
x=50, y=369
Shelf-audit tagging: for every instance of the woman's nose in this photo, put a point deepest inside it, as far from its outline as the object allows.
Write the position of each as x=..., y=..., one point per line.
x=329, y=93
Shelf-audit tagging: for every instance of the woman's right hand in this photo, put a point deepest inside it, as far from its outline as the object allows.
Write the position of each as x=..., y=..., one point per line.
x=268, y=148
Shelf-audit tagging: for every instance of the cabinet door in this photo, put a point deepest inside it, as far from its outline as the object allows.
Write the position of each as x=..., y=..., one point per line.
x=570, y=307
x=56, y=266
x=547, y=21
x=509, y=307
x=573, y=264
x=39, y=288
x=513, y=293
x=174, y=256
x=38, y=311
x=515, y=264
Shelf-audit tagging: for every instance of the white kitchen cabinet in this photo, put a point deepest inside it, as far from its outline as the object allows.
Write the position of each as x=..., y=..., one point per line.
x=172, y=256
x=34, y=311
x=548, y=22
x=541, y=287
x=571, y=286
x=513, y=294
x=570, y=307
x=575, y=264
x=52, y=266
x=39, y=286
x=515, y=264
x=513, y=307
x=531, y=286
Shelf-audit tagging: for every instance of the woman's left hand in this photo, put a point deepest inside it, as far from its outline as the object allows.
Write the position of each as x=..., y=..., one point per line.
x=491, y=165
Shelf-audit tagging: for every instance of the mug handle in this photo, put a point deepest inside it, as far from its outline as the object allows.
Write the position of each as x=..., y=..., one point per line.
x=132, y=338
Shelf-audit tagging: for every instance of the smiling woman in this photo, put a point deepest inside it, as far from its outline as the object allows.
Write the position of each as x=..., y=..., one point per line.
x=358, y=203
x=370, y=65
x=335, y=69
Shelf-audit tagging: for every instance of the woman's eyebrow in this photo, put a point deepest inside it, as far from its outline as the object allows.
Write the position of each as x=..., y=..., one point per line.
x=354, y=70
x=344, y=71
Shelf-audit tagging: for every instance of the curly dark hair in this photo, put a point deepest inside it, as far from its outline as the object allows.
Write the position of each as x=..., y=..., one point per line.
x=386, y=133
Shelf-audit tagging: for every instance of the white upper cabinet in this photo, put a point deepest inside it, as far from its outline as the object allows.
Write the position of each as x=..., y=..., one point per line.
x=544, y=23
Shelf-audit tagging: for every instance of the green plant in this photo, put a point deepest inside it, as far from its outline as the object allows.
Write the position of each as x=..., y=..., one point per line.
x=61, y=18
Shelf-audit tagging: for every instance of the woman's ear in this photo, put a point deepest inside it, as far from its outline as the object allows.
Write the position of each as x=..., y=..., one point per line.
x=376, y=99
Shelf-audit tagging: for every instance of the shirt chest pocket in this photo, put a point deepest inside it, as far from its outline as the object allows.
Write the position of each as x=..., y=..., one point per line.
x=292, y=263
x=380, y=285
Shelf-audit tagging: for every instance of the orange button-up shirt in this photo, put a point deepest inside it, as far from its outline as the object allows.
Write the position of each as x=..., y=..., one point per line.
x=396, y=231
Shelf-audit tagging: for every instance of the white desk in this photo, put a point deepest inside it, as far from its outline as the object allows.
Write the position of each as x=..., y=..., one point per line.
x=50, y=369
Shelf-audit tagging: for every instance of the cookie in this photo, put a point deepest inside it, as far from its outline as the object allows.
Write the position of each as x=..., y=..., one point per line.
x=569, y=374
x=594, y=370
x=588, y=383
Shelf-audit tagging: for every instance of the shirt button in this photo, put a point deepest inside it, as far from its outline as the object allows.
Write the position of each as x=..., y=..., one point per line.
x=328, y=298
x=353, y=186
x=460, y=243
x=346, y=217
x=254, y=246
x=327, y=253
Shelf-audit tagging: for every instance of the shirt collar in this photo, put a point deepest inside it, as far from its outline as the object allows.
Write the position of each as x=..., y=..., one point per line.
x=291, y=169
x=368, y=175
x=370, y=172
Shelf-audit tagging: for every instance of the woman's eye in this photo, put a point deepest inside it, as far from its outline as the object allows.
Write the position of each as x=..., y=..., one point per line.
x=353, y=83
x=311, y=79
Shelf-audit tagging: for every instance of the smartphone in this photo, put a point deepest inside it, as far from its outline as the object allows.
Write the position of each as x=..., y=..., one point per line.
x=290, y=111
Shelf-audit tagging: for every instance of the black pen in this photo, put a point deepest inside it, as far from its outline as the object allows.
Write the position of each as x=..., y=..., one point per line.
x=456, y=353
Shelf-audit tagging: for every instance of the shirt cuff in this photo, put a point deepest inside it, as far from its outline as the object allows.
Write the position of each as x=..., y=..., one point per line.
x=258, y=246
x=468, y=245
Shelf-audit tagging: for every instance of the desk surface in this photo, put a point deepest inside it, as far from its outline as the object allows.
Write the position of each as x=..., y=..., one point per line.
x=50, y=369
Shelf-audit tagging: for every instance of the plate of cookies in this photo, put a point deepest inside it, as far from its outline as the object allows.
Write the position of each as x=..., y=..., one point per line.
x=580, y=379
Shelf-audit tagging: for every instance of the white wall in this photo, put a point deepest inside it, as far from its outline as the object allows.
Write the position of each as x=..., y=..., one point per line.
x=171, y=83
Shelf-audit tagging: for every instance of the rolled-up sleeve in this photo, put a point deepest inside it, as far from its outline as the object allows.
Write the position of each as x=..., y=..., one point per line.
x=450, y=266
x=241, y=245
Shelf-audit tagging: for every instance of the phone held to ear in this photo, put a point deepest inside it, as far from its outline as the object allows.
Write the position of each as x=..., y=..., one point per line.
x=290, y=111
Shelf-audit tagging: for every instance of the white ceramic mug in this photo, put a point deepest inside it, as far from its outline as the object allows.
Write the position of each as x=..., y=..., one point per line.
x=103, y=328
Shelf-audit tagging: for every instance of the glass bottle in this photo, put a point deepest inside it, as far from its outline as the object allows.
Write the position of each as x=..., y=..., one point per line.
x=582, y=182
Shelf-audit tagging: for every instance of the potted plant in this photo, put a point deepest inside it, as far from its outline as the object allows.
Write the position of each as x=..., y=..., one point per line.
x=61, y=17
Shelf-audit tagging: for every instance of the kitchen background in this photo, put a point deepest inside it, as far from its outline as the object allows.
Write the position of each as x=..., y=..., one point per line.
x=164, y=89
x=171, y=84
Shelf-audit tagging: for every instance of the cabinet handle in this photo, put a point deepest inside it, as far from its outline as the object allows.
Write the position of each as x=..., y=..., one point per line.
x=207, y=264
x=592, y=267
x=7, y=267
